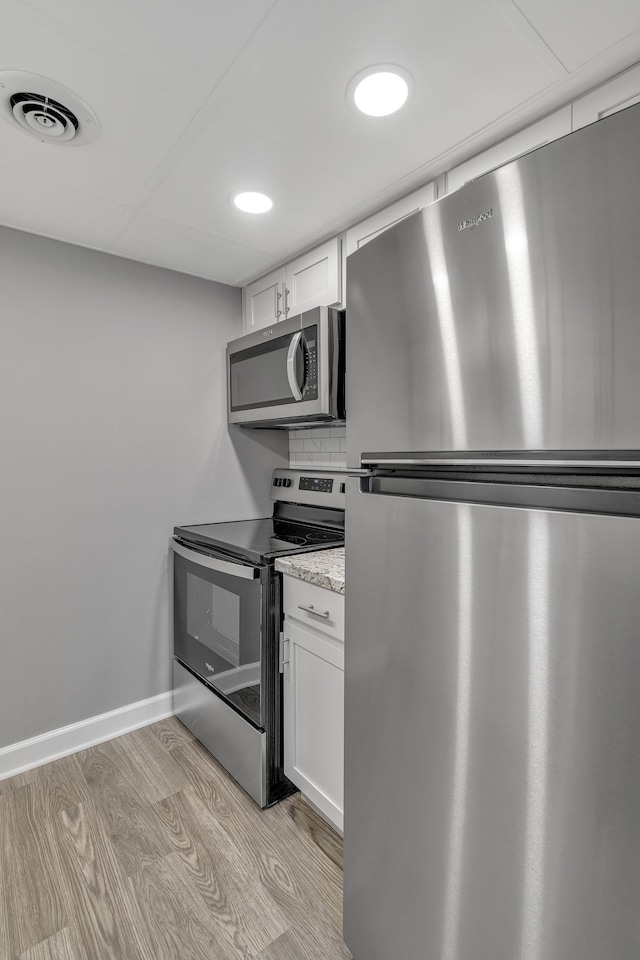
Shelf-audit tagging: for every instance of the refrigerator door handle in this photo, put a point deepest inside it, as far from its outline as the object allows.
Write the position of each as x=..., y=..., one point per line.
x=366, y=478
x=541, y=463
x=579, y=499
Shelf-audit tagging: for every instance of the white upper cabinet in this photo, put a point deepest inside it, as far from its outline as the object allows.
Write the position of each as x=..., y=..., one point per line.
x=263, y=301
x=367, y=229
x=544, y=131
x=616, y=94
x=312, y=280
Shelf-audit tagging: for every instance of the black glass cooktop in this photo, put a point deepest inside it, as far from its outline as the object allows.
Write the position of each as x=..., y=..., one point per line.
x=259, y=540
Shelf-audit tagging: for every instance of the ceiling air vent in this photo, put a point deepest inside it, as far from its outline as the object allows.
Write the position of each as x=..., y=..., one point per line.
x=45, y=109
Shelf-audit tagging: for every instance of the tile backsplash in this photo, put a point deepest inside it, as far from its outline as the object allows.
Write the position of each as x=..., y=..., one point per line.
x=319, y=446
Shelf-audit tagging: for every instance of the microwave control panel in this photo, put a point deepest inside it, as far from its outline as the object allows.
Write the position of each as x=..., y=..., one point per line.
x=310, y=389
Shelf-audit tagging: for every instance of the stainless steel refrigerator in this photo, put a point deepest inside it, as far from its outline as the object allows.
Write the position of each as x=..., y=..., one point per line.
x=492, y=699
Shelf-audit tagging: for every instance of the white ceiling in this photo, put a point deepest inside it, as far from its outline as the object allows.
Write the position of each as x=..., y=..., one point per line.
x=200, y=98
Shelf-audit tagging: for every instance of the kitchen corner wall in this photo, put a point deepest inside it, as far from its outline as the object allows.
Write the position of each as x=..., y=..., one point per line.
x=113, y=429
x=324, y=447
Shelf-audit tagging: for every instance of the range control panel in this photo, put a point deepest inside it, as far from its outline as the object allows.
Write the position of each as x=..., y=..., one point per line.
x=321, y=484
x=319, y=487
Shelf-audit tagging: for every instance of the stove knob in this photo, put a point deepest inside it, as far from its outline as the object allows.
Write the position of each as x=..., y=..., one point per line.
x=342, y=486
x=286, y=482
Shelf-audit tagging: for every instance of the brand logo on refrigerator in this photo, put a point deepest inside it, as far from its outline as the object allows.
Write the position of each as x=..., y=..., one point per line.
x=474, y=221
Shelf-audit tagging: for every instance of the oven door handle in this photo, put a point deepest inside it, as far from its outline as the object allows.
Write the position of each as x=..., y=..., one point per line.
x=213, y=563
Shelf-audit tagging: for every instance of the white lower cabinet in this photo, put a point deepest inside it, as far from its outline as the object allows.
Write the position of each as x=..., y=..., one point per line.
x=313, y=669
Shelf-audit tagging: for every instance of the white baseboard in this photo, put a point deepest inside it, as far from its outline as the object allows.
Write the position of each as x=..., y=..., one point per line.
x=18, y=757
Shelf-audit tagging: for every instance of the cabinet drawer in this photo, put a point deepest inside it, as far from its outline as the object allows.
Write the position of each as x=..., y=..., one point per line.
x=300, y=596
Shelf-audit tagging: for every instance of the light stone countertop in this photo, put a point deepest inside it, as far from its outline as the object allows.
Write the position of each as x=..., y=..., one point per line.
x=325, y=568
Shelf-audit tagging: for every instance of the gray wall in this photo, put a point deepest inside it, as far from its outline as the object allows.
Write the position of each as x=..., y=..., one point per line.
x=112, y=429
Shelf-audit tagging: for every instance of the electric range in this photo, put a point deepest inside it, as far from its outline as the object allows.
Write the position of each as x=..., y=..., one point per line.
x=228, y=618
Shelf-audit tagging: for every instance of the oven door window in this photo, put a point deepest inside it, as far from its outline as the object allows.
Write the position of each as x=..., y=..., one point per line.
x=218, y=632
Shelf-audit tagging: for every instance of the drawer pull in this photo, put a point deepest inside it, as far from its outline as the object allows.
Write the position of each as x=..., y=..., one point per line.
x=323, y=614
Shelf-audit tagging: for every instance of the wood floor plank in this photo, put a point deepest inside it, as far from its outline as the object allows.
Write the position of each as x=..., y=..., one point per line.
x=167, y=859
x=245, y=916
x=133, y=831
x=57, y=947
x=286, y=947
x=159, y=774
x=308, y=944
x=111, y=761
x=103, y=919
x=171, y=733
x=33, y=901
x=130, y=821
x=322, y=877
x=208, y=778
x=298, y=897
x=311, y=825
x=5, y=950
x=294, y=871
x=54, y=787
x=21, y=779
x=316, y=844
x=178, y=923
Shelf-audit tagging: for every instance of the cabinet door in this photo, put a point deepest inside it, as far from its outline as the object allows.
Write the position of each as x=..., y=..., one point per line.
x=622, y=91
x=314, y=718
x=544, y=131
x=367, y=229
x=315, y=279
x=264, y=301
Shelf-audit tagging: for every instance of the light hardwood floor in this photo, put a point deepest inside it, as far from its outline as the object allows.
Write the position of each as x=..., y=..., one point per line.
x=143, y=848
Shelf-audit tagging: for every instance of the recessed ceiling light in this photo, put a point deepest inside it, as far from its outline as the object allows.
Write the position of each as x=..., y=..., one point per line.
x=252, y=202
x=381, y=90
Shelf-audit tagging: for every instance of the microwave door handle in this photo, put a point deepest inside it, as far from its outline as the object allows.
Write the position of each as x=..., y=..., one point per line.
x=291, y=365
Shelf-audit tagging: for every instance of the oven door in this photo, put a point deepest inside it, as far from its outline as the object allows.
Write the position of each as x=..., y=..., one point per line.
x=219, y=626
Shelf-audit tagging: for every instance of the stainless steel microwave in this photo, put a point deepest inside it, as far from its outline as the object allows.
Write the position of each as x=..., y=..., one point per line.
x=290, y=374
